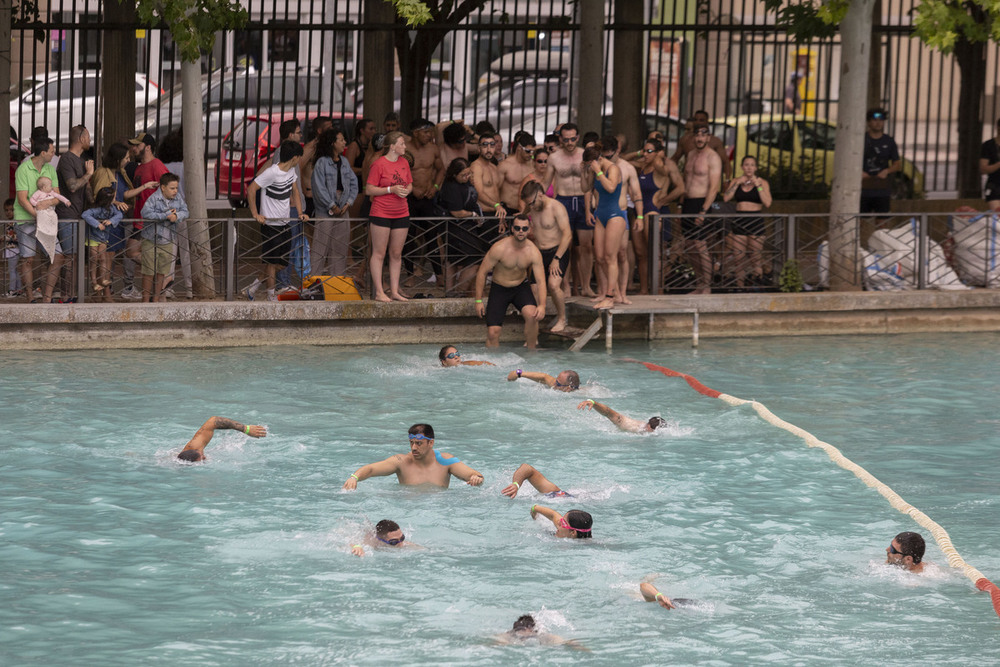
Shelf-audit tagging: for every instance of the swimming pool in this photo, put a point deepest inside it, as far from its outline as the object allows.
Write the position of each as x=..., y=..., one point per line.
x=116, y=554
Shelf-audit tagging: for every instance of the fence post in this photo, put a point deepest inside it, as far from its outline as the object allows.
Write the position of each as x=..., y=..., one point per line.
x=653, y=251
x=923, y=250
x=790, y=237
x=229, y=239
x=80, y=239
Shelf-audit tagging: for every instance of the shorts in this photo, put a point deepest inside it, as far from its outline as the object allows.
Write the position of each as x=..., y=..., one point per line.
x=549, y=255
x=276, y=244
x=876, y=201
x=391, y=223
x=576, y=212
x=27, y=244
x=748, y=227
x=690, y=229
x=67, y=236
x=558, y=494
x=501, y=297
x=991, y=192
x=116, y=239
x=157, y=258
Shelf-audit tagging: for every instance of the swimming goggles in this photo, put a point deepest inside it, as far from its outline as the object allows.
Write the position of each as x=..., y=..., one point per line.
x=419, y=436
x=893, y=550
x=393, y=542
x=453, y=355
x=565, y=524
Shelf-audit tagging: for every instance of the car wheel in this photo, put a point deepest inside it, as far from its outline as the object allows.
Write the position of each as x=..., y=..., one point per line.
x=902, y=187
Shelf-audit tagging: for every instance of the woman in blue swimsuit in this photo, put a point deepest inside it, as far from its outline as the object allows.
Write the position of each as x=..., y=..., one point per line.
x=606, y=184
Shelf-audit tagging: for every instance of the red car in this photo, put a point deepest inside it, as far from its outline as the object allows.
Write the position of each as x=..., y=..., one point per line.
x=251, y=145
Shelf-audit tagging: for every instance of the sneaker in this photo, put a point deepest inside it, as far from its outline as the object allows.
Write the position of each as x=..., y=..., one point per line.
x=131, y=293
x=37, y=294
x=167, y=293
x=271, y=295
x=251, y=291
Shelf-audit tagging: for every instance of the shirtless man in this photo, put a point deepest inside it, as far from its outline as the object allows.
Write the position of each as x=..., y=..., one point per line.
x=686, y=143
x=702, y=178
x=428, y=172
x=565, y=171
x=510, y=259
x=630, y=193
x=318, y=126
x=486, y=179
x=421, y=466
x=620, y=420
x=452, y=136
x=553, y=237
x=518, y=166
x=907, y=551
x=566, y=381
x=194, y=451
x=524, y=630
x=387, y=534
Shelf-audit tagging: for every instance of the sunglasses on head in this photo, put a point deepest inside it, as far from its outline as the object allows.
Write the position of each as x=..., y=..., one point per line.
x=393, y=542
x=520, y=228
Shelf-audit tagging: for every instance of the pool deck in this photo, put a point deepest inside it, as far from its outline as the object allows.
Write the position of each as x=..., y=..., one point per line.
x=241, y=323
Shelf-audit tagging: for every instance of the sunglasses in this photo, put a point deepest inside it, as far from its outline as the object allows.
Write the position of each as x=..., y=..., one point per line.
x=393, y=542
x=650, y=150
x=701, y=131
x=550, y=149
x=487, y=143
x=878, y=116
x=419, y=436
x=519, y=228
x=453, y=355
x=568, y=140
x=541, y=161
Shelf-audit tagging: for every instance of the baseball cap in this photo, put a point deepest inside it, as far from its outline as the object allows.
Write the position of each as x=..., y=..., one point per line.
x=143, y=138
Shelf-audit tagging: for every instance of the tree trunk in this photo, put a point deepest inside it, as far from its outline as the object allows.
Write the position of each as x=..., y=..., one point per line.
x=377, y=74
x=875, y=59
x=845, y=195
x=5, y=37
x=202, y=271
x=413, y=68
x=971, y=59
x=118, y=65
x=591, y=60
x=628, y=87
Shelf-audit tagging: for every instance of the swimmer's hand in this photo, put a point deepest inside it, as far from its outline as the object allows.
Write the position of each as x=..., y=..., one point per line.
x=665, y=602
x=513, y=375
x=350, y=484
x=589, y=404
x=475, y=480
x=257, y=431
x=510, y=491
x=357, y=550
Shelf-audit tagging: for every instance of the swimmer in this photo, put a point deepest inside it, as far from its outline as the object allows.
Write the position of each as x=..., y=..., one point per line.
x=907, y=551
x=650, y=594
x=527, y=473
x=449, y=357
x=421, y=466
x=567, y=380
x=620, y=420
x=195, y=449
x=575, y=524
x=387, y=534
x=524, y=629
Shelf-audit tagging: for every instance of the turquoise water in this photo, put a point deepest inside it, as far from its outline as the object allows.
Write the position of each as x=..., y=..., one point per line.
x=114, y=554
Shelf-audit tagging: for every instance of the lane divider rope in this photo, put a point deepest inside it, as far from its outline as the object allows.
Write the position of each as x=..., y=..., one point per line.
x=940, y=534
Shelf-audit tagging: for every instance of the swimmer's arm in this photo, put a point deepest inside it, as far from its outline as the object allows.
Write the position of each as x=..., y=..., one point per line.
x=546, y=512
x=543, y=378
x=617, y=419
x=381, y=469
x=527, y=473
x=204, y=434
x=650, y=594
x=250, y=429
x=466, y=474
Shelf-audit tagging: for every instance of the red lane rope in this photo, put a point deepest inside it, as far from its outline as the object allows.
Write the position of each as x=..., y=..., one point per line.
x=697, y=386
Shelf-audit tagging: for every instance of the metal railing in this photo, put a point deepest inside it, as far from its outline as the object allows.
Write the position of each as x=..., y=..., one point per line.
x=901, y=251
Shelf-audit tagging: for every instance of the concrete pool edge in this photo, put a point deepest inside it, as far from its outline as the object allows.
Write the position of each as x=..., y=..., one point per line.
x=241, y=323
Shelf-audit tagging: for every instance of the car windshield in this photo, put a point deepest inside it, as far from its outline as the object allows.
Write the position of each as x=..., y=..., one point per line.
x=26, y=84
x=244, y=136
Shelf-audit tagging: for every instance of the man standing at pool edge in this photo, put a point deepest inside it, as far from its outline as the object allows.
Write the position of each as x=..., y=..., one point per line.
x=421, y=466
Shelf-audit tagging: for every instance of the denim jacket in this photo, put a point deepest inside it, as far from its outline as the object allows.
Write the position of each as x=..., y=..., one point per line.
x=155, y=211
x=93, y=218
x=324, y=185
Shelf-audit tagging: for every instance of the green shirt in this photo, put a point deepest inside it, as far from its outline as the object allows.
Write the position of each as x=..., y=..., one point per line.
x=26, y=178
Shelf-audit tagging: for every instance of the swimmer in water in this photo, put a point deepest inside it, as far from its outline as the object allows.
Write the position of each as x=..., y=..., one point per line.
x=421, y=466
x=650, y=594
x=387, y=534
x=575, y=524
x=567, y=380
x=620, y=420
x=194, y=451
x=524, y=629
x=450, y=357
x=907, y=551
x=527, y=473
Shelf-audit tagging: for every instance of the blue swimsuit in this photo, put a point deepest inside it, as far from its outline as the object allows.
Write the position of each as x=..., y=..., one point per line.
x=608, y=207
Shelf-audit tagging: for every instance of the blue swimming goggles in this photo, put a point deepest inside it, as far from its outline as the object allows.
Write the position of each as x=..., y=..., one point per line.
x=419, y=436
x=393, y=542
x=453, y=355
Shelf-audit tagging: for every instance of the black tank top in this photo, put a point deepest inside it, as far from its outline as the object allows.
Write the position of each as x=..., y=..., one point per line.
x=743, y=195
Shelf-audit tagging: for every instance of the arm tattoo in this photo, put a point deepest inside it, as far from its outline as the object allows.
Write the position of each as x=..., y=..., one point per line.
x=222, y=423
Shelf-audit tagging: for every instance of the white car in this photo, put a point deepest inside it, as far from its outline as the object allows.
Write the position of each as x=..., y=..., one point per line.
x=63, y=99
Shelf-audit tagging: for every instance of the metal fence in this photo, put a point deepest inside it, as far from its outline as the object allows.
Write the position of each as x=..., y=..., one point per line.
x=512, y=62
x=904, y=251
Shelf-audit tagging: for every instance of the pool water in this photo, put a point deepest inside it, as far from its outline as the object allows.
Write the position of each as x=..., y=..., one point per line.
x=115, y=554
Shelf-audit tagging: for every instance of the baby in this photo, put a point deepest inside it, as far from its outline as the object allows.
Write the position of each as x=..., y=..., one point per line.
x=46, y=220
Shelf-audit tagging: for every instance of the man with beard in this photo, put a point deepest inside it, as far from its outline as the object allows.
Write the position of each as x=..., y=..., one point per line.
x=553, y=237
x=702, y=177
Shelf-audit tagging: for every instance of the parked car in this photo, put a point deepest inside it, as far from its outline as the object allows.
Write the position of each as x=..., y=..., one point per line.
x=799, y=150
x=250, y=146
x=438, y=95
x=61, y=100
x=228, y=96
